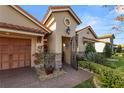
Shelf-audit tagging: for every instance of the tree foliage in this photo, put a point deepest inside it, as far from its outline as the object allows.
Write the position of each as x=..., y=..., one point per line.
x=90, y=48
x=119, y=49
x=108, y=51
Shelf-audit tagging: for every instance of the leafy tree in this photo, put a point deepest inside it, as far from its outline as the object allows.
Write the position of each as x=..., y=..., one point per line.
x=108, y=51
x=90, y=48
x=119, y=49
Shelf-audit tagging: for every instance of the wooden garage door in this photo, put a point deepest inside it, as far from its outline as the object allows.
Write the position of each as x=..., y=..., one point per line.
x=14, y=53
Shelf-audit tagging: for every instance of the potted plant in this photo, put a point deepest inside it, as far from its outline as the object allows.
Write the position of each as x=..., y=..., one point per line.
x=49, y=67
x=44, y=61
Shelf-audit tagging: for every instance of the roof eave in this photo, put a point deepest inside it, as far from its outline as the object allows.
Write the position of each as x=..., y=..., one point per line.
x=23, y=12
x=88, y=27
x=60, y=10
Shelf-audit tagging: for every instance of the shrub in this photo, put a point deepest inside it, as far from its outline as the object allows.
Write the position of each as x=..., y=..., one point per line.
x=108, y=51
x=90, y=48
x=96, y=57
x=119, y=49
x=123, y=55
x=80, y=58
x=109, y=77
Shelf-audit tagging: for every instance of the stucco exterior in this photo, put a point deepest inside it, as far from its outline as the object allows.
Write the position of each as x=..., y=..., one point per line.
x=11, y=16
x=81, y=43
x=55, y=39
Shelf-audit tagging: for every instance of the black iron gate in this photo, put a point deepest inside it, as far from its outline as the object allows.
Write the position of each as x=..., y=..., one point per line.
x=74, y=62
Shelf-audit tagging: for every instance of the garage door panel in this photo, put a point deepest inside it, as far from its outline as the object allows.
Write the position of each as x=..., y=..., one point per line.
x=21, y=63
x=4, y=49
x=5, y=65
x=5, y=58
x=0, y=67
x=14, y=64
x=21, y=56
x=15, y=57
x=5, y=61
x=14, y=53
x=0, y=63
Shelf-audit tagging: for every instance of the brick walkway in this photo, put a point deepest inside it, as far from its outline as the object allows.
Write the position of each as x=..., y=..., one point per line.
x=26, y=78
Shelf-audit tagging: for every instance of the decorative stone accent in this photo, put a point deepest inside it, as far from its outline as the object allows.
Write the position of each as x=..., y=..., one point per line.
x=43, y=76
x=58, y=61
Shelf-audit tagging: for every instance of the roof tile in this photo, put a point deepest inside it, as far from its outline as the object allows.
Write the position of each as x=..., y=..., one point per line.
x=22, y=28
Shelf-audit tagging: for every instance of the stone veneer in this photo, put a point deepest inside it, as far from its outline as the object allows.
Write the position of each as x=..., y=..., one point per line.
x=58, y=60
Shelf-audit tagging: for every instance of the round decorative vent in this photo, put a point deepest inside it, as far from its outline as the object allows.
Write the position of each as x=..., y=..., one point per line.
x=67, y=21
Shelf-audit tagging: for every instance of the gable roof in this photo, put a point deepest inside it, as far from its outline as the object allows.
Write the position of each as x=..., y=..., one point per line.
x=89, y=28
x=96, y=40
x=107, y=36
x=30, y=17
x=20, y=28
x=52, y=9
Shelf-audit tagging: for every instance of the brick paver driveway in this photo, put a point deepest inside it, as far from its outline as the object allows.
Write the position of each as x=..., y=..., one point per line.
x=26, y=78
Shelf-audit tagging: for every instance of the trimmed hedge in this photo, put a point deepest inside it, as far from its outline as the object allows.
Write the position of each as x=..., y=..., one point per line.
x=109, y=77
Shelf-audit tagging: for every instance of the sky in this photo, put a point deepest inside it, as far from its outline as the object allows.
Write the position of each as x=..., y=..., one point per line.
x=102, y=19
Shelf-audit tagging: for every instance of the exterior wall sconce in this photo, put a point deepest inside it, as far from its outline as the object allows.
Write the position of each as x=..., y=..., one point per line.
x=64, y=45
x=68, y=30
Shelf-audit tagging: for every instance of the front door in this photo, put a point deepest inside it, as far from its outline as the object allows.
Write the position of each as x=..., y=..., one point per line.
x=66, y=50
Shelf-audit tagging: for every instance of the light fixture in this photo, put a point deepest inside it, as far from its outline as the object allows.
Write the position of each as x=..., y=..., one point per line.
x=68, y=30
x=63, y=44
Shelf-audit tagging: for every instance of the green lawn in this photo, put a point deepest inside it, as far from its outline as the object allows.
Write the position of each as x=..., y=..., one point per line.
x=86, y=84
x=116, y=62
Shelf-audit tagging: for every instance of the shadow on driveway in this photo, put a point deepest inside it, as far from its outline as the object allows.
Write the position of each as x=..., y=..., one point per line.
x=26, y=78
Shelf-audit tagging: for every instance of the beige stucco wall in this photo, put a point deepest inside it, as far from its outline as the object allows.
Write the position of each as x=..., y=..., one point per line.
x=33, y=42
x=55, y=39
x=9, y=15
x=81, y=34
x=61, y=28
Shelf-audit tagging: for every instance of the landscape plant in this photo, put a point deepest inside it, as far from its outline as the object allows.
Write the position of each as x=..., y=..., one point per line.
x=92, y=55
x=89, y=48
x=108, y=51
x=119, y=49
x=109, y=77
x=45, y=60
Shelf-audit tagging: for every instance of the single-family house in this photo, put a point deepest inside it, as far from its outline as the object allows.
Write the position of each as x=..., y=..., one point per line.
x=85, y=35
x=20, y=34
x=108, y=38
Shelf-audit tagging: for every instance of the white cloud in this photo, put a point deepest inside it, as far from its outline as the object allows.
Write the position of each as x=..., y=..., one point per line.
x=119, y=9
x=90, y=20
